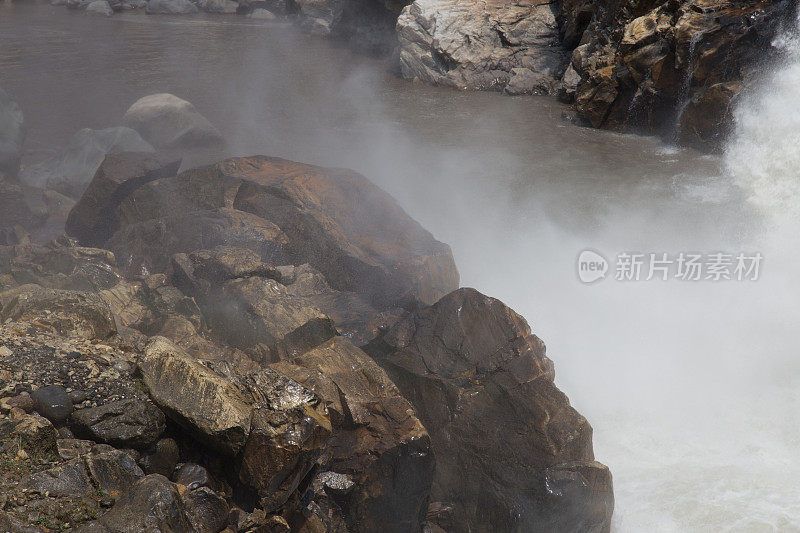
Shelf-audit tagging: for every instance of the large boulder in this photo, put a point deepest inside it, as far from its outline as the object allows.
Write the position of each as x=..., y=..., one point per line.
x=71, y=172
x=377, y=441
x=168, y=122
x=204, y=402
x=69, y=313
x=95, y=217
x=12, y=134
x=336, y=220
x=511, y=46
x=152, y=504
x=483, y=387
x=130, y=423
x=670, y=68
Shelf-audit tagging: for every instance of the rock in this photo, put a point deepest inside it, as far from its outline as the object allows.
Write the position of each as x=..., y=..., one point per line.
x=71, y=172
x=162, y=458
x=151, y=504
x=73, y=448
x=472, y=45
x=95, y=218
x=67, y=480
x=288, y=433
x=53, y=403
x=112, y=470
x=320, y=17
x=482, y=384
x=130, y=423
x=99, y=7
x=192, y=476
x=170, y=7
x=35, y=434
x=670, y=68
x=335, y=220
x=262, y=14
x=219, y=6
x=197, y=398
x=580, y=496
x=12, y=135
x=206, y=510
x=377, y=439
x=70, y=313
x=166, y=121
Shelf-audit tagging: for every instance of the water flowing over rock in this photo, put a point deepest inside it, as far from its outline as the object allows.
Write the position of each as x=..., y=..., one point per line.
x=484, y=388
x=671, y=68
x=512, y=46
x=12, y=134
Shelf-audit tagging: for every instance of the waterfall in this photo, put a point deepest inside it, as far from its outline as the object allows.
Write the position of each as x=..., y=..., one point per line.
x=764, y=154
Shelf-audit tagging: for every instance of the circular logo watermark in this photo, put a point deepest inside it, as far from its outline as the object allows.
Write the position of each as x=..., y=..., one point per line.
x=592, y=266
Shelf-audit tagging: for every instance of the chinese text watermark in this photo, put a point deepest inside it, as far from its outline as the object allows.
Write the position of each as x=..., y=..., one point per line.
x=663, y=266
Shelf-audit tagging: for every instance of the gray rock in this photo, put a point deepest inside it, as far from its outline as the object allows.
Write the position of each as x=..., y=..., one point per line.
x=130, y=423
x=162, y=458
x=71, y=171
x=152, y=504
x=113, y=471
x=12, y=134
x=170, y=7
x=228, y=7
x=53, y=403
x=174, y=125
x=69, y=479
x=207, y=511
x=479, y=45
x=192, y=476
x=262, y=14
x=99, y=7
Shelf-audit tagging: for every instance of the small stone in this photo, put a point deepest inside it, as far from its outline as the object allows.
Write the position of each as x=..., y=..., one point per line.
x=53, y=403
x=5, y=351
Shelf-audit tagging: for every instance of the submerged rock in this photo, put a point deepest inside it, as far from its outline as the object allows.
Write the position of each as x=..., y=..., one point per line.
x=170, y=7
x=478, y=45
x=483, y=386
x=12, y=134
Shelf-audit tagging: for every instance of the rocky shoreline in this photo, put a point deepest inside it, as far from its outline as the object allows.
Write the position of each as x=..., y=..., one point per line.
x=259, y=345
x=672, y=69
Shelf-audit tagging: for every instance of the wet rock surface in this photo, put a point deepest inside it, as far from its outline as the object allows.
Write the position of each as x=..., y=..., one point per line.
x=670, y=68
x=482, y=384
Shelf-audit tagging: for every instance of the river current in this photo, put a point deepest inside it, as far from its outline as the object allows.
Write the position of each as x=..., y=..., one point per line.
x=692, y=387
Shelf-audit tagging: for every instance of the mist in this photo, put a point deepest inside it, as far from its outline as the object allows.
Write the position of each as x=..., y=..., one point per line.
x=691, y=387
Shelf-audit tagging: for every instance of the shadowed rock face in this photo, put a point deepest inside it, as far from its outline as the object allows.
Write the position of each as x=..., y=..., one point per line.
x=484, y=389
x=672, y=68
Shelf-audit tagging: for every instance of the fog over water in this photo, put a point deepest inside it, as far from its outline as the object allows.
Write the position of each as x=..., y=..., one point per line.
x=693, y=388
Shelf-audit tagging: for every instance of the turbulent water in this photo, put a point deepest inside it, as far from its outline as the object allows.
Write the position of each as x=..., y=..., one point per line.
x=693, y=388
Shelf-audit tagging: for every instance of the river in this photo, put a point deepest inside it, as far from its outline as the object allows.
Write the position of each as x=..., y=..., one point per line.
x=693, y=388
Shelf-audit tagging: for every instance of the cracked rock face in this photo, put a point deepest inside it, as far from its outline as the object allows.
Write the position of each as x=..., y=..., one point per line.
x=468, y=44
x=484, y=388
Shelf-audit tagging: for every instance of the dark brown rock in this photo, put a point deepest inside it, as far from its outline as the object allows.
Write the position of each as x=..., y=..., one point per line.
x=152, y=504
x=130, y=423
x=162, y=458
x=377, y=439
x=206, y=510
x=483, y=386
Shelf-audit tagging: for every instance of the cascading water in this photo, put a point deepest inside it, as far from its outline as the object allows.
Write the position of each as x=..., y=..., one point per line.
x=764, y=156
